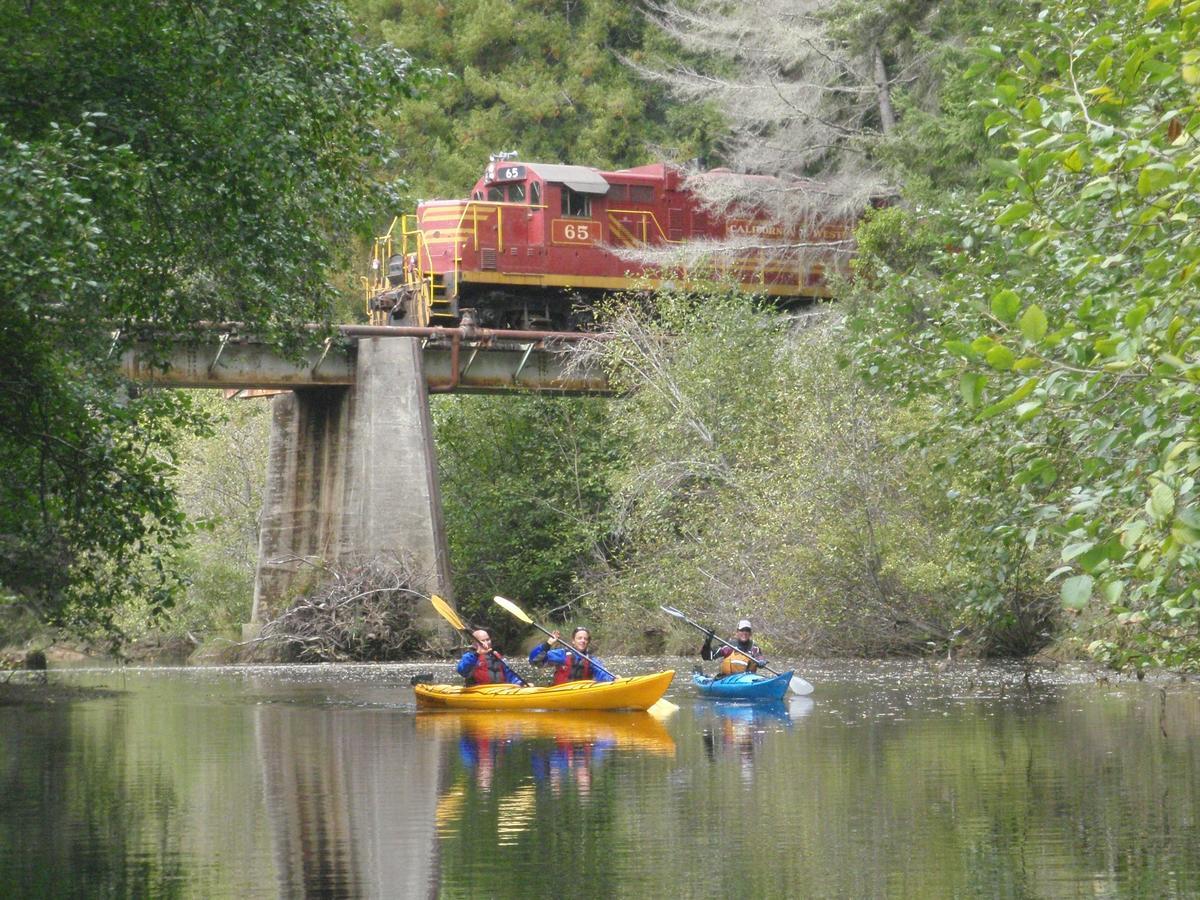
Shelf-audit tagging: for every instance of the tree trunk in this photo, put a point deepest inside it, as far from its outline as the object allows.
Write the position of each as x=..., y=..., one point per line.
x=887, y=115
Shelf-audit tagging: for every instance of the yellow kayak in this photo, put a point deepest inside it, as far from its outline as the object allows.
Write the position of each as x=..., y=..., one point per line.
x=639, y=692
x=637, y=731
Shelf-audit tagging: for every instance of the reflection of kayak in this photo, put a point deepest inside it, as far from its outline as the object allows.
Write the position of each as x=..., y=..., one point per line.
x=639, y=692
x=751, y=713
x=743, y=686
x=637, y=730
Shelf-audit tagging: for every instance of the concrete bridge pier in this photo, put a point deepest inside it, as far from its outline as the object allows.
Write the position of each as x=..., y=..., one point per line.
x=352, y=473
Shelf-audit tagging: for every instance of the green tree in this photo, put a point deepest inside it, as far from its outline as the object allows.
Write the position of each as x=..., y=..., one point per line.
x=1057, y=343
x=543, y=79
x=759, y=477
x=161, y=165
x=525, y=489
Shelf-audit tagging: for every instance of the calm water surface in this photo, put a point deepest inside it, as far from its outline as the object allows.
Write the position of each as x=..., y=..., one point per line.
x=890, y=781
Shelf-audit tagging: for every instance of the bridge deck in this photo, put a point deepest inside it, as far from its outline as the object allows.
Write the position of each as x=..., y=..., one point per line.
x=466, y=360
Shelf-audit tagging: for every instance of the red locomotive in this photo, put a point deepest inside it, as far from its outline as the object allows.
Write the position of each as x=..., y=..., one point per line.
x=536, y=242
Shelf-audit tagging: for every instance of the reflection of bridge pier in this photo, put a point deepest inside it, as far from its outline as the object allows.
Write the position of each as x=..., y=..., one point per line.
x=352, y=470
x=351, y=800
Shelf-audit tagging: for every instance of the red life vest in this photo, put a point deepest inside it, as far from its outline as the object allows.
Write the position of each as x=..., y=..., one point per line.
x=489, y=669
x=576, y=668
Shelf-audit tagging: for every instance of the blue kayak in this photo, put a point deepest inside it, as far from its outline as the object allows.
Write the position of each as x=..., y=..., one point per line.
x=744, y=686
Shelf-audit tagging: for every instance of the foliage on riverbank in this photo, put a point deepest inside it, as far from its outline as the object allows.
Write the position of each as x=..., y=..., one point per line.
x=525, y=486
x=1048, y=327
x=757, y=477
x=991, y=440
x=161, y=165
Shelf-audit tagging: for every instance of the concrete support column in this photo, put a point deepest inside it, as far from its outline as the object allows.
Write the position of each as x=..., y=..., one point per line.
x=352, y=473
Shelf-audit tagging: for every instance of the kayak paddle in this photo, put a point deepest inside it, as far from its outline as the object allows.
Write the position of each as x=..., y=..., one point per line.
x=446, y=611
x=660, y=706
x=797, y=685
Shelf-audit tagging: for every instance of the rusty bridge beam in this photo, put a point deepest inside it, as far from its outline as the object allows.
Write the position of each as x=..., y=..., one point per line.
x=466, y=360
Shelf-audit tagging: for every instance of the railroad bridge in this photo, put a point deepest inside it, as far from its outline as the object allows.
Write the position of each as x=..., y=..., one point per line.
x=352, y=470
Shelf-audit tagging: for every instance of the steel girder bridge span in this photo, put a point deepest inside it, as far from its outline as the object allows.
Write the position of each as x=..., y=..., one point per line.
x=351, y=470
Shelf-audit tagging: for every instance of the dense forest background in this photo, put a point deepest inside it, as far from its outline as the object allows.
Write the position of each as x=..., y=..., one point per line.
x=987, y=444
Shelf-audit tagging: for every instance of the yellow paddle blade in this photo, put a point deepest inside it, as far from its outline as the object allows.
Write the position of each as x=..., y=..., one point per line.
x=446, y=611
x=514, y=609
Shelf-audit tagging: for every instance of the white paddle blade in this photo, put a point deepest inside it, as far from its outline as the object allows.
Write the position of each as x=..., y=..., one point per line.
x=513, y=608
x=799, y=686
x=662, y=708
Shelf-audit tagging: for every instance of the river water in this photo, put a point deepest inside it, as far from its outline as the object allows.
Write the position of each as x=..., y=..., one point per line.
x=891, y=780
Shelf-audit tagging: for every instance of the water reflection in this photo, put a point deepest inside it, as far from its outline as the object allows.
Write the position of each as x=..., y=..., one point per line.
x=556, y=750
x=735, y=731
x=890, y=781
x=521, y=788
x=350, y=797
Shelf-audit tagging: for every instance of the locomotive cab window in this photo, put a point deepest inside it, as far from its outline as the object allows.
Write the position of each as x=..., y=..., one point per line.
x=535, y=193
x=576, y=204
x=516, y=193
x=496, y=194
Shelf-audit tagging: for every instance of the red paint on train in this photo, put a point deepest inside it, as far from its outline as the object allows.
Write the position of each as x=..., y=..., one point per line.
x=535, y=243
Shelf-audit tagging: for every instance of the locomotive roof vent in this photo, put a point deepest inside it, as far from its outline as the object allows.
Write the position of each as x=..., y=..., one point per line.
x=577, y=178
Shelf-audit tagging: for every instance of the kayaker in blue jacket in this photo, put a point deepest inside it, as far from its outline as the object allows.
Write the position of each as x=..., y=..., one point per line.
x=569, y=664
x=483, y=665
x=746, y=658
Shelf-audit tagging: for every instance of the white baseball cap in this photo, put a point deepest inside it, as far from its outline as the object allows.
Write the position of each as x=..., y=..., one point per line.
x=744, y=624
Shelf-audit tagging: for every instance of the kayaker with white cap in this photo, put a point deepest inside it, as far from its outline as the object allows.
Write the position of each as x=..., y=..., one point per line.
x=746, y=658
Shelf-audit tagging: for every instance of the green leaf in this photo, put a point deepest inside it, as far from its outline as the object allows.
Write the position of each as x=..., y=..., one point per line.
x=1015, y=213
x=1155, y=177
x=1005, y=167
x=1005, y=305
x=1033, y=324
x=1070, y=551
x=1010, y=401
x=1185, y=534
x=1001, y=358
x=1132, y=533
x=1096, y=558
x=970, y=386
x=960, y=348
x=1156, y=7
x=1026, y=411
x=1077, y=591
x=1161, y=503
x=983, y=344
x=1096, y=187
x=1134, y=317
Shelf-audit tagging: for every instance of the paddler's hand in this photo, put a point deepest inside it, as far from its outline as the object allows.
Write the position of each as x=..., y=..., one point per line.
x=554, y=636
